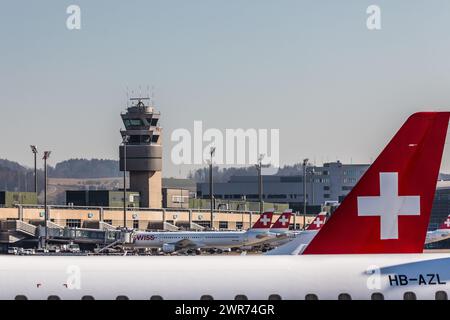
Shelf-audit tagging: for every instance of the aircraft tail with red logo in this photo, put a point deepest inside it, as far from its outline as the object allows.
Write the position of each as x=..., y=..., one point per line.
x=264, y=222
x=283, y=222
x=388, y=210
x=318, y=221
x=445, y=225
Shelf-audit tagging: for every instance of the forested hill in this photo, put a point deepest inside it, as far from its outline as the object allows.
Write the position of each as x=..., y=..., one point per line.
x=83, y=169
x=15, y=177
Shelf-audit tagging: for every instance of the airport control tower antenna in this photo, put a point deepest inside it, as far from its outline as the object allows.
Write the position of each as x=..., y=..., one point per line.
x=143, y=151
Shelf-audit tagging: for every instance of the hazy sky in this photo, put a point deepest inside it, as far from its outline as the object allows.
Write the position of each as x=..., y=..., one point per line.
x=310, y=68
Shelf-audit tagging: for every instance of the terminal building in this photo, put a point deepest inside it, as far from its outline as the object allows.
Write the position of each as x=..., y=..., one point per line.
x=9, y=199
x=330, y=182
x=101, y=198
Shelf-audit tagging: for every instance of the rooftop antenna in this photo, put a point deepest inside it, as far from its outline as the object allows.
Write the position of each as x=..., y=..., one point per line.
x=128, y=97
x=153, y=95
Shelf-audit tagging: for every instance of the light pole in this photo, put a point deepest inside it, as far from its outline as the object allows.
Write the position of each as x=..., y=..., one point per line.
x=125, y=139
x=35, y=151
x=211, y=187
x=260, y=183
x=46, y=156
x=305, y=163
x=311, y=180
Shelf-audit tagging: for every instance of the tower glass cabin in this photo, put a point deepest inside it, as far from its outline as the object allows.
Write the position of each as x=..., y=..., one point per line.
x=143, y=151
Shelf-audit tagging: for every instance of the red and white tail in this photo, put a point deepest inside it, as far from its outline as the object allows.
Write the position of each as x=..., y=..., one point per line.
x=446, y=224
x=282, y=224
x=389, y=208
x=264, y=222
x=318, y=222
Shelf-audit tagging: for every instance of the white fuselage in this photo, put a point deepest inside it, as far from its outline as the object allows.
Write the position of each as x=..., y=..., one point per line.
x=283, y=238
x=295, y=244
x=225, y=277
x=200, y=239
x=437, y=235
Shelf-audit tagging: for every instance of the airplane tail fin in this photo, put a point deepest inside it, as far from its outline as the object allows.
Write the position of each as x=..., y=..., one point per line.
x=283, y=222
x=445, y=225
x=389, y=208
x=264, y=222
x=318, y=221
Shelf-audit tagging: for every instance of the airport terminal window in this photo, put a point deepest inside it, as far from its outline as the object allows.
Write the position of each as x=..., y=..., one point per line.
x=145, y=139
x=274, y=297
x=122, y=298
x=276, y=196
x=108, y=221
x=156, y=298
x=21, y=297
x=239, y=225
x=223, y=224
x=87, y=298
x=311, y=297
x=135, y=139
x=377, y=296
x=344, y=296
x=135, y=122
x=206, y=297
x=441, y=295
x=205, y=224
x=135, y=224
x=73, y=223
x=409, y=296
x=53, y=298
x=241, y=297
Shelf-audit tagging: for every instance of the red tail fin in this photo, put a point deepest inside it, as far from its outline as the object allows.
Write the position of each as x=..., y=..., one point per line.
x=318, y=222
x=264, y=221
x=445, y=224
x=282, y=224
x=389, y=208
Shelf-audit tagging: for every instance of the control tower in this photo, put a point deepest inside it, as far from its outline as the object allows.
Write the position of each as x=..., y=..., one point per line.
x=143, y=151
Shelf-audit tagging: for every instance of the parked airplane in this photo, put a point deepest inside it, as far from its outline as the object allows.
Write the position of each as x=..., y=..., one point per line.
x=184, y=240
x=297, y=241
x=281, y=226
x=441, y=233
x=318, y=222
x=279, y=231
x=370, y=248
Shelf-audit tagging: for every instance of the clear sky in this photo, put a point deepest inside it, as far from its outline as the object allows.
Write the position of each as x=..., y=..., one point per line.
x=310, y=68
